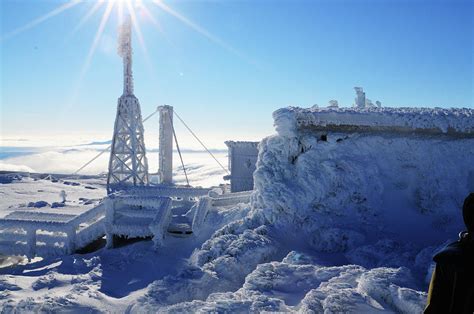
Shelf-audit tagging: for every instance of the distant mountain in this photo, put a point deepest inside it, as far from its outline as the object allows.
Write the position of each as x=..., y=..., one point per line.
x=97, y=143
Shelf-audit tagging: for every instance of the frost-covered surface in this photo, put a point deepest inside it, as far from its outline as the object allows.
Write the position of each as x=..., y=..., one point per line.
x=289, y=120
x=137, y=216
x=349, y=187
x=107, y=280
x=24, y=192
x=344, y=225
x=295, y=283
x=61, y=214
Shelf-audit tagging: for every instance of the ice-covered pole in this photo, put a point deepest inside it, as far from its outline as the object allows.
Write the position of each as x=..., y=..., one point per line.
x=360, y=99
x=125, y=51
x=166, y=145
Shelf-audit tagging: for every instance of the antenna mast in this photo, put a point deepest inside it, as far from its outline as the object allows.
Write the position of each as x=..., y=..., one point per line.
x=128, y=165
x=125, y=51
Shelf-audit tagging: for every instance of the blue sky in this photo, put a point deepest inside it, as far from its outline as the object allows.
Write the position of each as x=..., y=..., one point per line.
x=269, y=54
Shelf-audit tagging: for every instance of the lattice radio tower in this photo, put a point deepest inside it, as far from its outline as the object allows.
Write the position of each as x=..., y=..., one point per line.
x=128, y=165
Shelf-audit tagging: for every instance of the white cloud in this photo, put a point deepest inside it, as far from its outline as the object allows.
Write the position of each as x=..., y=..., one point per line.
x=14, y=167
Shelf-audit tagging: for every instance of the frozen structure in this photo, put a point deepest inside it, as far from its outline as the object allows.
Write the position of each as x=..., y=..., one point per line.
x=242, y=160
x=128, y=164
x=50, y=234
x=333, y=104
x=360, y=97
x=349, y=207
x=455, y=122
x=158, y=212
x=128, y=214
x=343, y=174
x=376, y=190
x=361, y=101
x=165, y=159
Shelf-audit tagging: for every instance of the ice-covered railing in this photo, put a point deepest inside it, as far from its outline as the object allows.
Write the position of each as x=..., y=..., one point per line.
x=230, y=199
x=175, y=192
x=138, y=214
x=456, y=121
x=45, y=234
x=133, y=215
x=206, y=203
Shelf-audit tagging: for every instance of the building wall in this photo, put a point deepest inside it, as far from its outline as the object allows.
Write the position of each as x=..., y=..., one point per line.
x=242, y=161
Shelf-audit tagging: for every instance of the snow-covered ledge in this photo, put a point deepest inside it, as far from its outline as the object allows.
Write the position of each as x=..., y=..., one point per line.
x=455, y=121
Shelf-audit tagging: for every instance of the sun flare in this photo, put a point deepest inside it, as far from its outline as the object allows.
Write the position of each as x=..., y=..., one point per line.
x=139, y=13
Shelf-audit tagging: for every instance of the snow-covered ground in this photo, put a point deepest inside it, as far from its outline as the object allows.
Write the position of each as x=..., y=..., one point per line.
x=40, y=192
x=345, y=223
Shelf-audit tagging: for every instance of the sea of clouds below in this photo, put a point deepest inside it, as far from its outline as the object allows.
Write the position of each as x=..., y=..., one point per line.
x=42, y=156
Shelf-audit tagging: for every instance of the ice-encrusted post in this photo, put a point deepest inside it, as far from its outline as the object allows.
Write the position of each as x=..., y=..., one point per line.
x=109, y=220
x=360, y=99
x=71, y=240
x=202, y=208
x=166, y=145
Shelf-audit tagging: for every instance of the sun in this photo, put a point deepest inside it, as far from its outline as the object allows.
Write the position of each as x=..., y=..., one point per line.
x=120, y=8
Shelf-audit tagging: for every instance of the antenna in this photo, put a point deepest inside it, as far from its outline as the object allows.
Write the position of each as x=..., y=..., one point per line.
x=128, y=164
x=125, y=51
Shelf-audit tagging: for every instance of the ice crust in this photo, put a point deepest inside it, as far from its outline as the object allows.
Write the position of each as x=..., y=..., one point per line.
x=287, y=286
x=455, y=120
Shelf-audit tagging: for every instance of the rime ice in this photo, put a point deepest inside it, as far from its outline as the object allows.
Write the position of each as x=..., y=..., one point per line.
x=128, y=164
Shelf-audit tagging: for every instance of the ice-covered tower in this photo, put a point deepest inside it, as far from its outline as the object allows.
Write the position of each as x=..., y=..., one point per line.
x=128, y=165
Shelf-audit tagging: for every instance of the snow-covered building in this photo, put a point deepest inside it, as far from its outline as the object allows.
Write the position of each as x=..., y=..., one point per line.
x=242, y=160
x=347, y=175
x=455, y=121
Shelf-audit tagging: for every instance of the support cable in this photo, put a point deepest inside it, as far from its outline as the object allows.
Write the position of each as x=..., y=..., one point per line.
x=179, y=151
x=108, y=147
x=200, y=142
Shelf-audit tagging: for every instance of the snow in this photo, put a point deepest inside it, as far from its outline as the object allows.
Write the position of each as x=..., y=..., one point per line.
x=346, y=224
x=455, y=120
x=134, y=216
x=24, y=189
x=344, y=193
x=11, y=167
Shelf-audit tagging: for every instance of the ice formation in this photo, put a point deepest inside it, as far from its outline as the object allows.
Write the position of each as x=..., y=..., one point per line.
x=342, y=191
x=369, y=199
x=423, y=120
x=349, y=207
x=48, y=234
x=128, y=164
